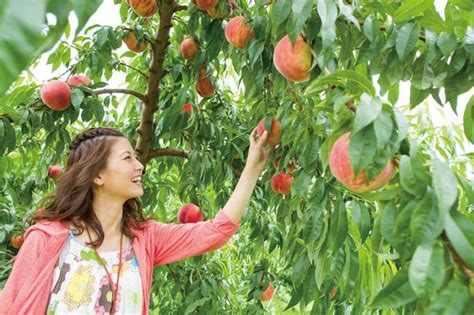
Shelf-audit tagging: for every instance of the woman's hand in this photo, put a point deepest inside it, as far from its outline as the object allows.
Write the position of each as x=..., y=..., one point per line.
x=258, y=154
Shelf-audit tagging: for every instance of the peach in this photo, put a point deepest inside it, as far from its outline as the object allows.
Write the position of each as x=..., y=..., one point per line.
x=144, y=8
x=218, y=12
x=205, y=87
x=268, y=293
x=206, y=4
x=281, y=183
x=76, y=80
x=55, y=171
x=341, y=168
x=132, y=43
x=16, y=241
x=189, y=213
x=189, y=48
x=56, y=95
x=293, y=62
x=238, y=31
x=187, y=108
x=273, y=126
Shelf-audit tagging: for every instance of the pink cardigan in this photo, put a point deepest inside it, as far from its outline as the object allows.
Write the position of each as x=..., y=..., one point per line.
x=29, y=284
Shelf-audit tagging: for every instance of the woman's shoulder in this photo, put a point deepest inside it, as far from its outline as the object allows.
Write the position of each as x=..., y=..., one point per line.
x=50, y=228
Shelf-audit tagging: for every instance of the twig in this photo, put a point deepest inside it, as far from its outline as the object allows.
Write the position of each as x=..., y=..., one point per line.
x=133, y=68
x=122, y=91
x=468, y=272
x=167, y=152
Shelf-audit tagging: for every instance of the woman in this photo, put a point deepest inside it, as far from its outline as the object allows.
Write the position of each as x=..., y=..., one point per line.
x=92, y=238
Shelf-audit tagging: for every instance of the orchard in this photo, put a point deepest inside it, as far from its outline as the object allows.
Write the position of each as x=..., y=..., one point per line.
x=366, y=206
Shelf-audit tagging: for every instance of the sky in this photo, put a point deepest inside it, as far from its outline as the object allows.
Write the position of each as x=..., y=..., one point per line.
x=108, y=14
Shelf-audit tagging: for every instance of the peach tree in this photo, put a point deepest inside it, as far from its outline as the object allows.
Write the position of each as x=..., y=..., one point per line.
x=366, y=206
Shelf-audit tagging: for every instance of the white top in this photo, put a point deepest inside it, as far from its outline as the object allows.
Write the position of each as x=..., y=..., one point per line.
x=81, y=285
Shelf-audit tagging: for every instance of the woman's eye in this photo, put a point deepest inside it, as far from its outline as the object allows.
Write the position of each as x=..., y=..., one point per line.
x=128, y=157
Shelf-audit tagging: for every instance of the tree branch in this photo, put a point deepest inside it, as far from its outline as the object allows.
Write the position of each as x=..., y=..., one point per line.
x=468, y=272
x=123, y=91
x=167, y=152
x=159, y=46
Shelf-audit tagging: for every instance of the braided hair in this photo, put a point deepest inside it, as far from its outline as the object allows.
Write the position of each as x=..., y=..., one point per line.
x=72, y=199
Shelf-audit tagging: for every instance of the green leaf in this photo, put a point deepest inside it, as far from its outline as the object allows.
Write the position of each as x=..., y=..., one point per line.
x=397, y=293
x=255, y=50
x=301, y=13
x=338, y=228
x=83, y=10
x=383, y=126
x=338, y=77
x=406, y=39
x=410, y=9
x=407, y=178
x=361, y=217
x=417, y=96
x=468, y=42
x=402, y=124
x=387, y=221
x=468, y=119
x=446, y=43
x=77, y=97
x=192, y=307
x=427, y=270
x=296, y=296
x=460, y=232
x=280, y=12
x=426, y=221
x=423, y=77
x=451, y=300
x=362, y=146
x=367, y=111
x=327, y=11
x=371, y=28
x=10, y=136
x=445, y=185
x=21, y=38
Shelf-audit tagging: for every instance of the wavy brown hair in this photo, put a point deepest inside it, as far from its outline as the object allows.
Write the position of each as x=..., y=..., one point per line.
x=72, y=199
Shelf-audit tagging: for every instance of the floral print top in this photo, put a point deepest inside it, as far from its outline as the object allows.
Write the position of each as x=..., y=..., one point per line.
x=81, y=285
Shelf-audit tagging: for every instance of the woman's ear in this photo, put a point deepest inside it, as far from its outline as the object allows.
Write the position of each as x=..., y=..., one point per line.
x=98, y=180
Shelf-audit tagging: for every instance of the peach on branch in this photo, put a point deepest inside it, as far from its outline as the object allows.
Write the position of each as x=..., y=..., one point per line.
x=56, y=95
x=55, y=171
x=187, y=107
x=189, y=213
x=273, y=127
x=293, y=62
x=238, y=31
x=205, y=87
x=132, y=42
x=80, y=79
x=281, y=183
x=220, y=11
x=189, y=48
x=16, y=241
x=341, y=168
x=144, y=8
x=268, y=293
x=206, y=4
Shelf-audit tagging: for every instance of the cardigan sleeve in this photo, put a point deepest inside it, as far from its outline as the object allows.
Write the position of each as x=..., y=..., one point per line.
x=34, y=243
x=174, y=242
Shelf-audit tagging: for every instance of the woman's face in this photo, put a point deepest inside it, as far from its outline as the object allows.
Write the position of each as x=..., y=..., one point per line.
x=122, y=175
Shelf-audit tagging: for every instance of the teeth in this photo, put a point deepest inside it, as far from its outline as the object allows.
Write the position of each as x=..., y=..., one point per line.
x=136, y=179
